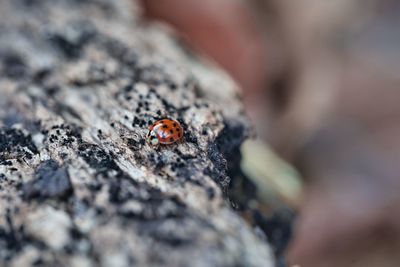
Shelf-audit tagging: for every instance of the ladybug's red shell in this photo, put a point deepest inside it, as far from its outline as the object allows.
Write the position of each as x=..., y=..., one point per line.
x=166, y=131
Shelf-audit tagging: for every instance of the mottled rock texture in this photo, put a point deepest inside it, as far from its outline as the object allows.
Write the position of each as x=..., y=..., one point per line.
x=80, y=81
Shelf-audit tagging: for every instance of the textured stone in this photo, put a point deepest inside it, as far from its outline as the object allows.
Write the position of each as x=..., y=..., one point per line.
x=80, y=81
x=51, y=181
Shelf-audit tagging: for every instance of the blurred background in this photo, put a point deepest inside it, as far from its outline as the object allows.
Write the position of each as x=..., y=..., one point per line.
x=321, y=84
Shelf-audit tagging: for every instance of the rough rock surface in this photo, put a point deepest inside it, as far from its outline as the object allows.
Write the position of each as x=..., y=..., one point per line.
x=79, y=83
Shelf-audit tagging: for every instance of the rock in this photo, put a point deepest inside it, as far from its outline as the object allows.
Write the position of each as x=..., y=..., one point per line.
x=50, y=226
x=80, y=82
x=51, y=181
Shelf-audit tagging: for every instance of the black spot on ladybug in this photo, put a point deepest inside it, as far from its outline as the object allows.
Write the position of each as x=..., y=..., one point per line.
x=177, y=129
x=171, y=131
x=165, y=126
x=179, y=135
x=171, y=139
x=174, y=124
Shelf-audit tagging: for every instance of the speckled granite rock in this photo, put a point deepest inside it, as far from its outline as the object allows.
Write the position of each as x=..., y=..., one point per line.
x=79, y=83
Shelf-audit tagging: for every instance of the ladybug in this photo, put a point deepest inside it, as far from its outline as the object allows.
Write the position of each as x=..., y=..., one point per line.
x=164, y=132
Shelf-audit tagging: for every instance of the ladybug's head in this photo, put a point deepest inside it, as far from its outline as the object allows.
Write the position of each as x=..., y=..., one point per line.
x=152, y=138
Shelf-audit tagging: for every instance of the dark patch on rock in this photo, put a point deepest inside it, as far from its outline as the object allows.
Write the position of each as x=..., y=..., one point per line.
x=189, y=137
x=219, y=169
x=64, y=110
x=210, y=193
x=225, y=155
x=8, y=240
x=14, y=65
x=51, y=90
x=242, y=191
x=116, y=49
x=50, y=181
x=41, y=75
x=277, y=227
x=228, y=144
x=72, y=39
x=135, y=145
x=8, y=234
x=12, y=144
x=98, y=159
x=10, y=138
x=155, y=204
